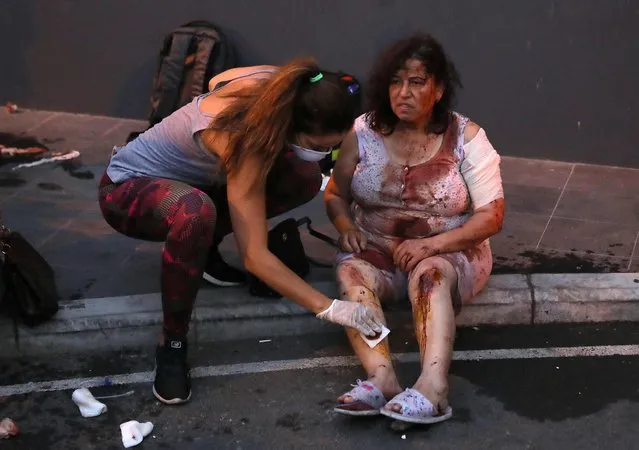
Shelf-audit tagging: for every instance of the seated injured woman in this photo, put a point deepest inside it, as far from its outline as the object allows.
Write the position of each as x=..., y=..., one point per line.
x=415, y=194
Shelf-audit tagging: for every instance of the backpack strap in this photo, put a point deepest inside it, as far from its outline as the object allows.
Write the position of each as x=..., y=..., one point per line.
x=313, y=232
x=207, y=43
x=168, y=81
x=222, y=55
x=321, y=236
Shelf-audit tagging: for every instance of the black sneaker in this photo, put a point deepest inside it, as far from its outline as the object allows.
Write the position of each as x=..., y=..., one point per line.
x=219, y=273
x=172, y=379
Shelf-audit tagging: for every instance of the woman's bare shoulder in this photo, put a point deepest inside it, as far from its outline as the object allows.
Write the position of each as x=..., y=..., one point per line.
x=238, y=72
x=470, y=131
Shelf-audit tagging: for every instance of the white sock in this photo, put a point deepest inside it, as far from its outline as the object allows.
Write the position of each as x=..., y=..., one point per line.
x=89, y=406
x=133, y=432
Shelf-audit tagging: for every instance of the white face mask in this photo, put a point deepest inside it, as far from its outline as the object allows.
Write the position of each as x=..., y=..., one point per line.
x=308, y=154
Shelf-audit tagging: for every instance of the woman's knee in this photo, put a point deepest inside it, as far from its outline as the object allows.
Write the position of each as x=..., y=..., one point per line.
x=429, y=277
x=192, y=212
x=356, y=278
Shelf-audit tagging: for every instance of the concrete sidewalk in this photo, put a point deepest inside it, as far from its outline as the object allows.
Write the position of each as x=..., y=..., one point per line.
x=562, y=218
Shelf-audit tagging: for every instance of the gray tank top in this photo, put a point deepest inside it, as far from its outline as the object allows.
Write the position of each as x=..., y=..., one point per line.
x=172, y=148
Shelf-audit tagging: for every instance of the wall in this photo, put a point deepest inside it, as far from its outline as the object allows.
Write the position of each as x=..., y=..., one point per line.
x=547, y=79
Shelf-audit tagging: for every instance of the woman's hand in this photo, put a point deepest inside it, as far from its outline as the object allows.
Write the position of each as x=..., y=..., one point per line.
x=352, y=241
x=410, y=252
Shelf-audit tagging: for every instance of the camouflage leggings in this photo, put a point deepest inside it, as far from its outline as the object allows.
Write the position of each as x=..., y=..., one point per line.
x=190, y=220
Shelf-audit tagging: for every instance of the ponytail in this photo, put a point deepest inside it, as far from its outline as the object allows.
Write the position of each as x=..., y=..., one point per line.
x=259, y=120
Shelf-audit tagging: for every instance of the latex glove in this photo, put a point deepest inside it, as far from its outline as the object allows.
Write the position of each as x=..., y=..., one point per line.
x=352, y=314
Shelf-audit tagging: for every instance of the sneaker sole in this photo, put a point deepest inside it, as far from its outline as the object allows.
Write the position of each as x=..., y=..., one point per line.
x=220, y=283
x=174, y=401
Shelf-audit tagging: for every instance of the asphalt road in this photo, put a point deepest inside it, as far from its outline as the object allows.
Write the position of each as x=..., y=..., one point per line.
x=515, y=403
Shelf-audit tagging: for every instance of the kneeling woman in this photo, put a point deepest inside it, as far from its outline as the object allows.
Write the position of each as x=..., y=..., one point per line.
x=224, y=163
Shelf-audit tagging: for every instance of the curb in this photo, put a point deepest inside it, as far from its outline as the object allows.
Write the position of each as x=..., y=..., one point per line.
x=562, y=298
x=232, y=313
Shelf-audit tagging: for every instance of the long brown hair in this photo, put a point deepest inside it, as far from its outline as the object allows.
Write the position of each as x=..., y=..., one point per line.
x=263, y=117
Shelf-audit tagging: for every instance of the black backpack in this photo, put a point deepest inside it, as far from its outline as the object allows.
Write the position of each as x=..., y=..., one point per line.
x=190, y=56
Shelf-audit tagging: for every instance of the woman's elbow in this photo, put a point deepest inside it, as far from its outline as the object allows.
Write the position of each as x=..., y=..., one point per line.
x=498, y=226
x=497, y=218
x=250, y=264
x=330, y=191
x=499, y=215
x=493, y=215
x=332, y=199
x=327, y=197
x=253, y=260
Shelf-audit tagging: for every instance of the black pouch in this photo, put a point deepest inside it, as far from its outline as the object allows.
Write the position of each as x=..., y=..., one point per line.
x=285, y=242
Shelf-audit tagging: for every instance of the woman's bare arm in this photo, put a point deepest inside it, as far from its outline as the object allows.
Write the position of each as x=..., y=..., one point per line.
x=247, y=206
x=337, y=195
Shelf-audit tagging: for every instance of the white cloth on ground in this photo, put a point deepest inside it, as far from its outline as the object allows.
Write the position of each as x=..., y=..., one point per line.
x=133, y=432
x=88, y=405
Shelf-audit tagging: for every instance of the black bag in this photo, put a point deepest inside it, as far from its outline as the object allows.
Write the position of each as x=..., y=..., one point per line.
x=190, y=56
x=30, y=290
x=284, y=241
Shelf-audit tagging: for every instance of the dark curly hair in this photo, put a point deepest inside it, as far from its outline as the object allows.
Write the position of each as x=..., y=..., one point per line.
x=429, y=51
